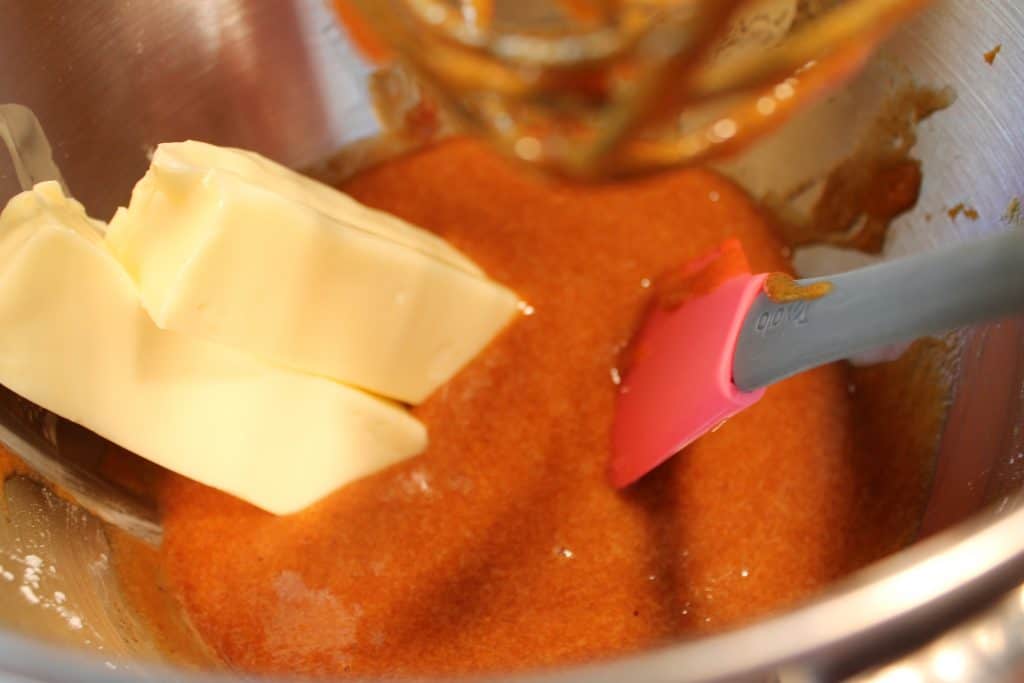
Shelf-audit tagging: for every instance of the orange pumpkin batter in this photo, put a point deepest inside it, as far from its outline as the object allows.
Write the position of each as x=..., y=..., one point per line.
x=503, y=546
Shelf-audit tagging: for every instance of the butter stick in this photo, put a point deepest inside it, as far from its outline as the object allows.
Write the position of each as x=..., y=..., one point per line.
x=231, y=247
x=77, y=341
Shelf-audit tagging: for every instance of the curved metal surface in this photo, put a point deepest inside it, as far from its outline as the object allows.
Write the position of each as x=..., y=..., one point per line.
x=989, y=647
x=108, y=79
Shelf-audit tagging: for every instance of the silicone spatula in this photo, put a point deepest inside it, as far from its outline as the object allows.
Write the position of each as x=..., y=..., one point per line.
x=720, y=338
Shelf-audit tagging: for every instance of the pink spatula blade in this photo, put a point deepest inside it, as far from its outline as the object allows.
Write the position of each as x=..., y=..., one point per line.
x=680, y=384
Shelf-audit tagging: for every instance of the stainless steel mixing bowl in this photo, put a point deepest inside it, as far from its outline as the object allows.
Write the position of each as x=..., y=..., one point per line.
x=111, y=78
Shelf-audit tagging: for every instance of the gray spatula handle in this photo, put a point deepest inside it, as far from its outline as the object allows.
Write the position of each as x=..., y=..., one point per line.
x=883, y=304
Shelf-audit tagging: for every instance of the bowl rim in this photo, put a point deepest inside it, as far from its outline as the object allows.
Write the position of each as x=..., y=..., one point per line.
x=876, y=613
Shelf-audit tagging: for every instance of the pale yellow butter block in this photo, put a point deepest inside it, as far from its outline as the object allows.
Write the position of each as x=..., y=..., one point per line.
x=231, y=247
x=76, y=340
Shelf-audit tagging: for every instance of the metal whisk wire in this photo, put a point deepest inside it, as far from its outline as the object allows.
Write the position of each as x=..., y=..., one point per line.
x=604, y=87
